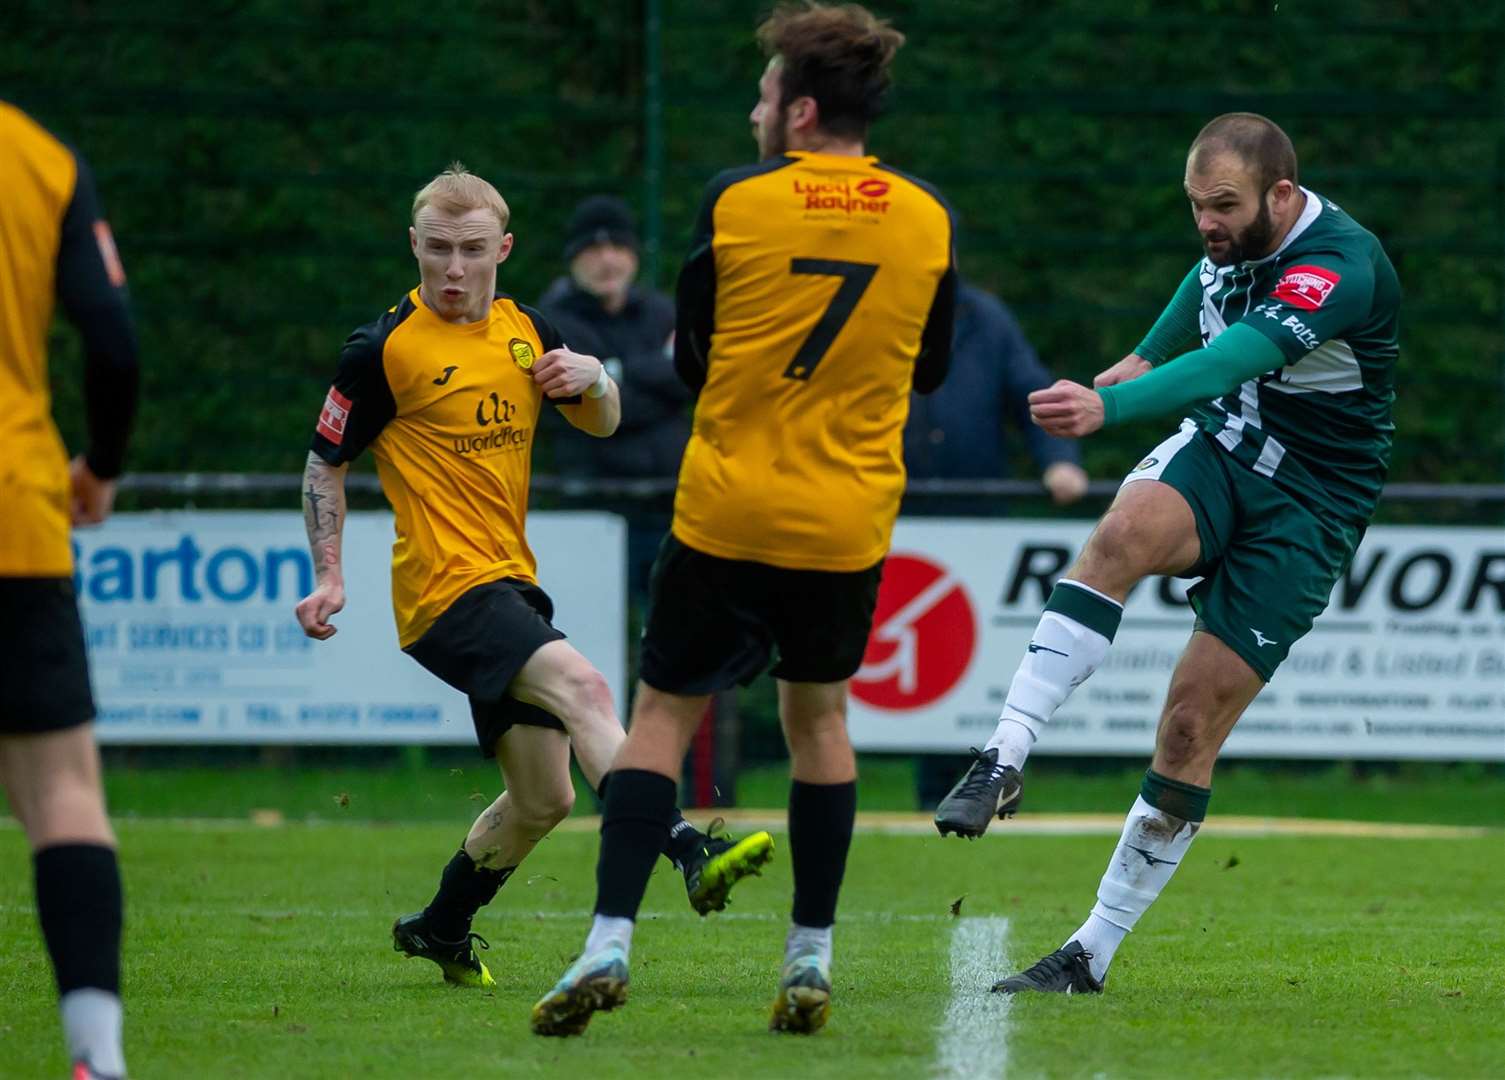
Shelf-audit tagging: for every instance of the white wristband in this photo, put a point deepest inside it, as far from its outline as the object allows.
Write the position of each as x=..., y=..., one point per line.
x=597, y=389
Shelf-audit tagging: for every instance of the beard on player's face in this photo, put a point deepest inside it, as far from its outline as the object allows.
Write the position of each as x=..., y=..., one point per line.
x=773, y=133
x=1228, y=248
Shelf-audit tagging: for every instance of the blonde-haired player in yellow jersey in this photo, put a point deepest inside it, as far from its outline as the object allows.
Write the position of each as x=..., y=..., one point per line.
x=446, y=390
x=818, y=292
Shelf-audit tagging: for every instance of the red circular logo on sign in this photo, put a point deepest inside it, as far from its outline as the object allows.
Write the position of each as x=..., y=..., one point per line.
x=924, y=635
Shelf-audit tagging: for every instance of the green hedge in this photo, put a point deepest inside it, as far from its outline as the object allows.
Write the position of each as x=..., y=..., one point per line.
x=257, y=167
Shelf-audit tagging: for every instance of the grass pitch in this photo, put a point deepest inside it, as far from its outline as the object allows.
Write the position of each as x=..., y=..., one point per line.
x=266, y=952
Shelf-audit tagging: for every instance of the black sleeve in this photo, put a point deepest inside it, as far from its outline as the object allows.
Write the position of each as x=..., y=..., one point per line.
x=551, y=339
x=91, y=288
x=695, y=298
x=360, y=402
x=695, y=316
x=934, y=358
x=548, y=333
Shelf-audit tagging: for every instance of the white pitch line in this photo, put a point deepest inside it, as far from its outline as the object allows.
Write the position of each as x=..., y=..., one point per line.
x=974, y=1035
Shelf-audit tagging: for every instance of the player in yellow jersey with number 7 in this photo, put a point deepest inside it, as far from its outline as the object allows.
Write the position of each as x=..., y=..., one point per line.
x=818, y=292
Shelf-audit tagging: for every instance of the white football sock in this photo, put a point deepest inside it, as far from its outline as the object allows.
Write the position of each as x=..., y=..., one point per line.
x=804, y=939
x=609, y=929
x=91, y=1026
x=1150, y=848
x=1062, y=653
x=1013, y=741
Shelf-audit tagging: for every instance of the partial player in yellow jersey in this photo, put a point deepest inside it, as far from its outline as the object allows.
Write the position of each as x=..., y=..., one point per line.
x=446, y=390
x=819, y=291
x=55, y=246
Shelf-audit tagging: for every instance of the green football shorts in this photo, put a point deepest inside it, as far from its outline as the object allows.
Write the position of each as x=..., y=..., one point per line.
x=1268, y=563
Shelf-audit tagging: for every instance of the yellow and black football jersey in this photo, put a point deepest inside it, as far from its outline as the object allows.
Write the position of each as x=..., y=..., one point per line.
x=819, y=290
x=449, y=411
x=54, y=245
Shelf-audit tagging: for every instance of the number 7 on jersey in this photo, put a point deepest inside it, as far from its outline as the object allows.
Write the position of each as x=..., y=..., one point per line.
x=855, y=277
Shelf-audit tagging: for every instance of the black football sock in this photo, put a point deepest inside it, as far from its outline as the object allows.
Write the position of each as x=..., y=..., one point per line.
x=634, y=832
x=464, y=889
x=81, y=909
x=820, y=832
x=684, y=840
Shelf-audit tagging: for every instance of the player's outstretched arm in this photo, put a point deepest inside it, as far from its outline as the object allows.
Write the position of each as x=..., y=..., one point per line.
x=590, y=398
x=1234, y=356
x=324, y=517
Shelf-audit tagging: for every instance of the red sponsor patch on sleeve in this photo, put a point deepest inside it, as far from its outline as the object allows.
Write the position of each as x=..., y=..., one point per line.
x=108, y=253
x=1306, y=287
x=333, y=416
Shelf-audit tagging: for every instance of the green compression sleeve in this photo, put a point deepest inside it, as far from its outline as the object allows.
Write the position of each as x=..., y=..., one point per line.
x=1236, y=355
x=1177, y=324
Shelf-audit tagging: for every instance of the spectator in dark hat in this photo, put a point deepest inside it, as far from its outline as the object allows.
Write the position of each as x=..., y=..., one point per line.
x=598, y=307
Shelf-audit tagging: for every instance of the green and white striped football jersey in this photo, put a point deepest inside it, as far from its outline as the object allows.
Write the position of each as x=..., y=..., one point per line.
x=1320, y=426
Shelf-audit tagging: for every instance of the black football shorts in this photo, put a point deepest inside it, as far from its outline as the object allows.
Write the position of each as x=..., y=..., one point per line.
x=44, y=672
x=479, y=645
x=713, y=623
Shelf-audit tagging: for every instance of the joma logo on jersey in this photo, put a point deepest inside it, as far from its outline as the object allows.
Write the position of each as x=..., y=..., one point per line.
x=1306, y=287
x=865, y=197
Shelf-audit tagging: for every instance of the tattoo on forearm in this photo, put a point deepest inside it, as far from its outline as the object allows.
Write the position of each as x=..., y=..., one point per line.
x=311, y=500
x=323, y=521
x=323, y=505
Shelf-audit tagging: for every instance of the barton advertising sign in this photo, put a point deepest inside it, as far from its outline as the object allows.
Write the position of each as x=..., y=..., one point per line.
x=191, y=635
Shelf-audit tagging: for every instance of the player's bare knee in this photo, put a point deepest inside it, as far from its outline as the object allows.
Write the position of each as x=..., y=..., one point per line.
x=1114, y=554
x=557, y=807
x=820, y=730
x=1185, y=736
x=540, y=811
x=71, y=811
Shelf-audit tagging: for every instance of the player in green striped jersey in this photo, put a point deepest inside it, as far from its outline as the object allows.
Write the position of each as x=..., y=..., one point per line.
x=1263, y=494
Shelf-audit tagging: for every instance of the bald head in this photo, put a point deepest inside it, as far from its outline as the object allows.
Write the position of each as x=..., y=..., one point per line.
x=1241, y=180
x=1256, y=142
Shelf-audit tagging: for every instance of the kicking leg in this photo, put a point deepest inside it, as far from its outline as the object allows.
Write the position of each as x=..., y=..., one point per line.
x=1210, y=690
x=53, y=782
x=822, y=811
x=1149, y=529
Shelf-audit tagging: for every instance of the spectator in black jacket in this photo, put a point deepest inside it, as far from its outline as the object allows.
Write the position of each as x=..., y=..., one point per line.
x=958, y=432
x=599, y=309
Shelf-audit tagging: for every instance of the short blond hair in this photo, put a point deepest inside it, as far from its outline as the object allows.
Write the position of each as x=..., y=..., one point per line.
x=457, y=190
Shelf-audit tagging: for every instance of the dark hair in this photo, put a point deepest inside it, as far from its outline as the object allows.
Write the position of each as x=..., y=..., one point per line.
x=838, y=55
x=1257, y=142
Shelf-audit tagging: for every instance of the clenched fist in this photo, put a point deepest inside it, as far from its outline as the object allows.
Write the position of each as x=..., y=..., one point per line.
x=1067, y=409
